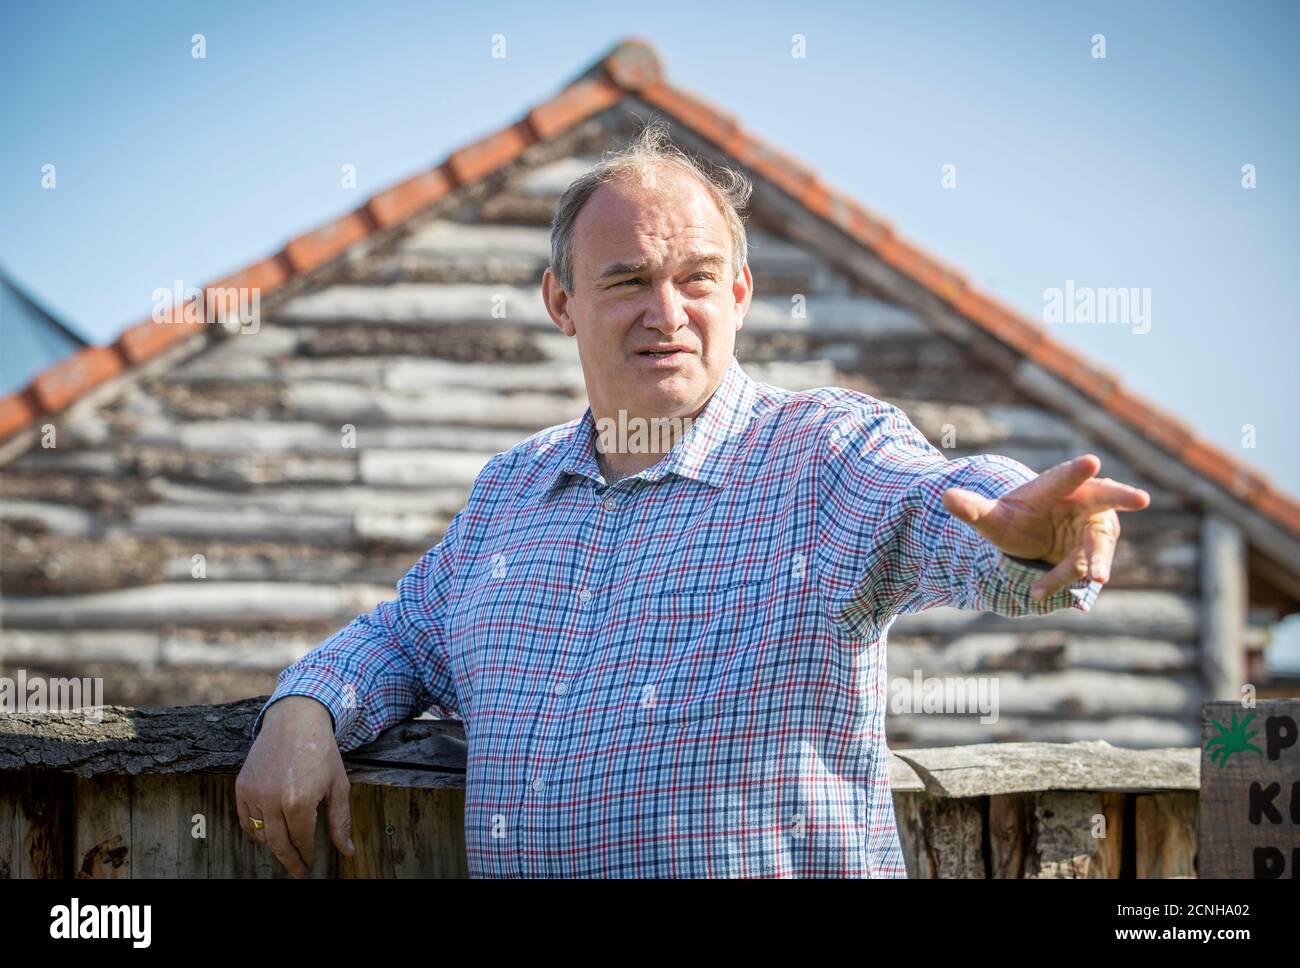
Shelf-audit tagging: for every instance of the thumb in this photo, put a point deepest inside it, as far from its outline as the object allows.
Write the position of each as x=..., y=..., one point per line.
x=968, y=506
x=340, y=818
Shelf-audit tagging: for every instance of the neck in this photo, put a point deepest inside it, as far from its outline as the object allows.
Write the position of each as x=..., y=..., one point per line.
x=626, y=444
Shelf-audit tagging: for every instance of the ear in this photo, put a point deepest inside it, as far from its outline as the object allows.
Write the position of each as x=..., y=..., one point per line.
x=743, y=290
x=556, y=301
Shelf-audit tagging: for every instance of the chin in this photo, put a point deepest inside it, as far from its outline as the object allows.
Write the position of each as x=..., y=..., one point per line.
x=672, y=393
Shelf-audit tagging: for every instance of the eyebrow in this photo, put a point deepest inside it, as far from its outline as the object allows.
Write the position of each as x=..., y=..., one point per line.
x=638, y=268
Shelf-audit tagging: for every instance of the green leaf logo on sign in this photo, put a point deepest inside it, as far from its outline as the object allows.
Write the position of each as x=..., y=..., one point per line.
x=1231, y=740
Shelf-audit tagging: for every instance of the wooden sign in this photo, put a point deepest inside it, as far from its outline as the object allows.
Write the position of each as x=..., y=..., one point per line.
x=1249, y=822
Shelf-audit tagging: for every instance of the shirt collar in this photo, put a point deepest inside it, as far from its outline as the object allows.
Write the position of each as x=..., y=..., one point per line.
x=706, y=452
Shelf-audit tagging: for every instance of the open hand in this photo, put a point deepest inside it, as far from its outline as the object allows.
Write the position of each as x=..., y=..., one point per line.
x=1065, y=517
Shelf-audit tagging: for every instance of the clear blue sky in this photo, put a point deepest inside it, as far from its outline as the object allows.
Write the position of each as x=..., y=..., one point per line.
x=1122, y=172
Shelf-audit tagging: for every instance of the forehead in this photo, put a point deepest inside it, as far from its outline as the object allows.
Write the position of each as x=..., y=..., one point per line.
x=623, y=219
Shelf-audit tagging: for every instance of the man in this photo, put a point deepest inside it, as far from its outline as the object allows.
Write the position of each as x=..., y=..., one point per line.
x=670, y=658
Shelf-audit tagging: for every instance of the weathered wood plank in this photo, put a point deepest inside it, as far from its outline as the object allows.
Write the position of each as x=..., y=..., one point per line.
x=1131, y=732
x=1165, y=830
x=1064, y=827
x=1040, y=652
x=206, y=739
x=997, y=768
x=1146, y=614
x=940, y=837
x=1250, y=787
x=321, y=440
x=1225, y=591
x=242, y=604
x=101, y=828
x=406, y=833
x=1083, y=693
x=1010, y=824
x=162, y=833
x=34, y=807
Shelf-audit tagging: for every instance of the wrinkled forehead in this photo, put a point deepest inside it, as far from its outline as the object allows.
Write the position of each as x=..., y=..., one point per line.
x=623, y=218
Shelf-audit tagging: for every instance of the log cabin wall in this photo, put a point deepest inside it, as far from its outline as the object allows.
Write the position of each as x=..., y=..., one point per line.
x=198, y=528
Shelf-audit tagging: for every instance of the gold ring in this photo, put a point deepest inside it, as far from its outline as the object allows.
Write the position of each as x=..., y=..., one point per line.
x=257, y=824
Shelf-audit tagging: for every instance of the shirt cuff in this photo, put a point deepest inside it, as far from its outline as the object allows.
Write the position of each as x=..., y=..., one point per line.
x=1021, y=573
x=339, y=697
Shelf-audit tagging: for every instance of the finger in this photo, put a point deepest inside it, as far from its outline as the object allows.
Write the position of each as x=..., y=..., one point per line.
x=1059, y=482
x=1104, y=494
x=967, y=505
x=1099, y=547
x=245, y=812
x=341, y=818
x=301, y=822
x=1070, y=569
x=277, y=838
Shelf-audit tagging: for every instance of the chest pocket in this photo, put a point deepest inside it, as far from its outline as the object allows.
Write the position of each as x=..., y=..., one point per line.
x=696, y=652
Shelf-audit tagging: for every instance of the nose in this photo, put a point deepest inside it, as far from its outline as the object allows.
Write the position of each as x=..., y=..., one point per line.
x=667, y=309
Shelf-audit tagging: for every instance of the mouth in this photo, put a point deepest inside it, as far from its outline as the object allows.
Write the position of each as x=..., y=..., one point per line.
x=664, y=352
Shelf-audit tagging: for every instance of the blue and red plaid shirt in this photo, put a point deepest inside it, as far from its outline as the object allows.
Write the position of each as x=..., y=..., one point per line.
x=681, y=674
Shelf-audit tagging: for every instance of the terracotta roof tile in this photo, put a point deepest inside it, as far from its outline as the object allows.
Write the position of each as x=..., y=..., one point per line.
x=404, y=199
x=147, y=339
x=488, y=154
x=318, y=246
x=1218, y=466
x=1064, y=362
x=633, y=64
x=708, y=122
x=999, y=320
x=573, y=105
x=1159, y=427
x=1280, y=508
x=17, y=410
x=267, y=274
x=69, y=379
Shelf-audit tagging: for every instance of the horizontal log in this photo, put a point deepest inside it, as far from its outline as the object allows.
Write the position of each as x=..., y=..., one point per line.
x=998, y=768
x=304, y=437
x=347, y=403
x=1044, y=652
x=448, y=497
x=1116, y=612
x=420, y=304
x=150, y=649
x=1130, y=732
x=241, y=604
x=1086, y=693
x=213, y=739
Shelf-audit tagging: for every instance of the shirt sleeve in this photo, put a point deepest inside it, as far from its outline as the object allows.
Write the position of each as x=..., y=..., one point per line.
x=387, y=664
x=886, y=543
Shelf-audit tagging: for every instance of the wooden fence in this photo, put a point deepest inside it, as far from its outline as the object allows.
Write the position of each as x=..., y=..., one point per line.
x=150, y=793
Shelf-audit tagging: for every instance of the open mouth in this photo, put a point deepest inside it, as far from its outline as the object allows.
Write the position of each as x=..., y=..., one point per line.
x=659, y=354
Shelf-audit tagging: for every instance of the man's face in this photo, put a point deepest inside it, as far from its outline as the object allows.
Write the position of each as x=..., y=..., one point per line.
x=656, y=306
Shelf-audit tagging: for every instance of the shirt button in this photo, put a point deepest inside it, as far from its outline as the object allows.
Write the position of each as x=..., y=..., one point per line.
x=561, y=688
x=584, y=596
x=610, y=504
x=538, y=785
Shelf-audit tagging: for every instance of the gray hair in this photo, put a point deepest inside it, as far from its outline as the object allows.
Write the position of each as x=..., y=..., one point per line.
x=639, y=161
